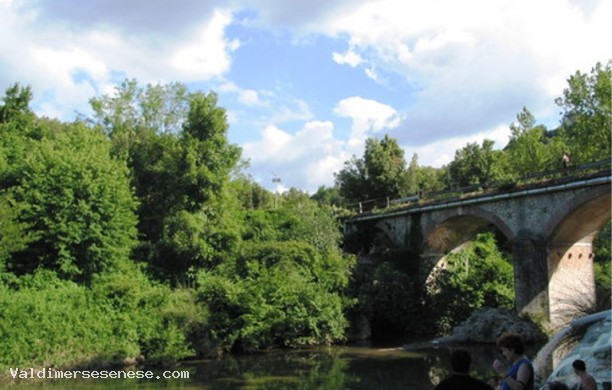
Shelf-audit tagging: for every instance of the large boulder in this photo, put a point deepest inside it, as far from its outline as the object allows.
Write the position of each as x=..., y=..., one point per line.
x=486, y=325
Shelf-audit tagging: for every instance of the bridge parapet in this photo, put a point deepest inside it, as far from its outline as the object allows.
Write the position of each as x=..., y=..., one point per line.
x=531, y=180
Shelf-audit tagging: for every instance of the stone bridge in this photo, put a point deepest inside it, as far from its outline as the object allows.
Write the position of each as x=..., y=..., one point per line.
x=549, y=229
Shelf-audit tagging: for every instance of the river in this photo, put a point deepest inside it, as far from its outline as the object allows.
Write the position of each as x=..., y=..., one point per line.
x=325, y=368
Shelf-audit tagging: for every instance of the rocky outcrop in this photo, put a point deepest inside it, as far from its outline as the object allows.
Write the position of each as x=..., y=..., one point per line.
x=487, y=324
x=594, y=349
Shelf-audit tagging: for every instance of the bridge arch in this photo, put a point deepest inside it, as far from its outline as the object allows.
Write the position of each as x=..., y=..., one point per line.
x=571, y=279
x=454, y=227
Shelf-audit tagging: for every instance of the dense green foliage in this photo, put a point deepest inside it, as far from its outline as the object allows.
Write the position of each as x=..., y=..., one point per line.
x=474, y=164
x=176, y=147
x=480, y=274
x=380, y=173
x=135, y=234
x=78, y=205
x=587, y=109
x=531, y=147
x=394, y=302
x=126, y=236
x=602, y=263
x=49, y=321
x=277, y=293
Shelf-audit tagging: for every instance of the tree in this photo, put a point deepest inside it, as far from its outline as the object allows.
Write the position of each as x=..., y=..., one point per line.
x=329, y=196
x=421, y=179
x=279, y=293
x=250, y=195
x=78, y=204
x=431, y=179
x=14, y=235
x=412, y=175
x=16, y=107
x=530, y=149
x=209, y=157
x=134, y=112
x=476, y=165
x=587, y=114
x=176, y=145
x=380, y=173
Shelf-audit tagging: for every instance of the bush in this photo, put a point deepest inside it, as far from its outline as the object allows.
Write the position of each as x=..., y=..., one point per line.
x=46, y=321
x=276, y=294
x=77, y=204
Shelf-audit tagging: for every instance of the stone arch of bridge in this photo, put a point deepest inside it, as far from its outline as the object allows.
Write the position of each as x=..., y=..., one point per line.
x=455, y=227
x=570, y=233
x=452, y=229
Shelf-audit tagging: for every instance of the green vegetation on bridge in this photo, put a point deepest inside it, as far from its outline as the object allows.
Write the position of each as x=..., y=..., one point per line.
x=530, y=181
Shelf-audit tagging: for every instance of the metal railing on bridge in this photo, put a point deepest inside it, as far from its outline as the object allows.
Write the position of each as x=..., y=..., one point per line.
x=598, y=168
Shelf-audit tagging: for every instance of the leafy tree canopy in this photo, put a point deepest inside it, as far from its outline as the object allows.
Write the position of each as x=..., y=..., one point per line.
x=531, y=148
x=381, y=172
x=477, y=164
x=176, y=146
x=587, y=114
x=77, y=202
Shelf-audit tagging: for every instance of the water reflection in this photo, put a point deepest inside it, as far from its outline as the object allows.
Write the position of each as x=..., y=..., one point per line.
x=329, y=368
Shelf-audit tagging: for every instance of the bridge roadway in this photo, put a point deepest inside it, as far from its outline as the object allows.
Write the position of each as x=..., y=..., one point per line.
x=549, y=229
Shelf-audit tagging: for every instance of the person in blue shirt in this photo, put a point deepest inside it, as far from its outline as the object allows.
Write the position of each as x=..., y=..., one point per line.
x=460, y=379
x=520, y=375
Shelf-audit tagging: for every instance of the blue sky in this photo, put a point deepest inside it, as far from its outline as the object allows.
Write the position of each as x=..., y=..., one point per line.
x=306, y=82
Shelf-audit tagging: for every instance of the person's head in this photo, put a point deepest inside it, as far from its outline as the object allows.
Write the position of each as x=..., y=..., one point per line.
x=461, y=361
x=511, y=343
x=557, y=386
x=579, y=365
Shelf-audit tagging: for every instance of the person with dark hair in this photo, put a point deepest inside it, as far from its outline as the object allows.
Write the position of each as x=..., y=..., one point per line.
x=520, y=376
x=587, y=382
x=460, y=379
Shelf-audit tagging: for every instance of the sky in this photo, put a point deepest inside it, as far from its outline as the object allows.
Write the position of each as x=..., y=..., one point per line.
x=305, y=83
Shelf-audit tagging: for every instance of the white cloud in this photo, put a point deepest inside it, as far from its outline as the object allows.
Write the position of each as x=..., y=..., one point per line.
x=477, y=62
x=368, y=116
x=250, y=98
x=350, y=58
x=208, y=55
x=305, y=160
x=470, y=66
x=68, y=64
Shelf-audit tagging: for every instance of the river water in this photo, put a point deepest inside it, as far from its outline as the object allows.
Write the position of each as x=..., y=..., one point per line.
x=325, y=368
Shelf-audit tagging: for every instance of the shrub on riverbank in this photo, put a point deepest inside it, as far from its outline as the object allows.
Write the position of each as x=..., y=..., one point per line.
x=276, y=294
x=46, y=321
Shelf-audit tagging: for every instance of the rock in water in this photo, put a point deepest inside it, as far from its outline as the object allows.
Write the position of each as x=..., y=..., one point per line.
x=487, y=324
